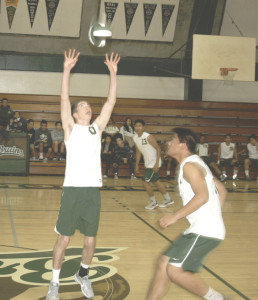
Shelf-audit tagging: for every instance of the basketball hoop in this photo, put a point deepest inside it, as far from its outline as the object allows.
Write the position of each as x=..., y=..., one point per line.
x=228, y=74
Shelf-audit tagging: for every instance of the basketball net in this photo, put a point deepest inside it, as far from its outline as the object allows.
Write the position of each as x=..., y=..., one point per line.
x=228, y=75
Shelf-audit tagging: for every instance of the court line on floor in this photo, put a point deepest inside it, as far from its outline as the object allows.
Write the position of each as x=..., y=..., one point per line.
x=14, y=235
x=165, y=237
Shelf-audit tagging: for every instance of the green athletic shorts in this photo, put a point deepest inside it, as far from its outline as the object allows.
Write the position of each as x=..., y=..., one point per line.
x=150, y=176
x=79, y=209
x=189, y=250
x=207, y=160
x=254, y=162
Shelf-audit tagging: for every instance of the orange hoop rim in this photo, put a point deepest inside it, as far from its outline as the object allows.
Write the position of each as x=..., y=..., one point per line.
x=224, y=71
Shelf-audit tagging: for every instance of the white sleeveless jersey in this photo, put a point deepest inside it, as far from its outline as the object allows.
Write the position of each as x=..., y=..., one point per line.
x=83, y=164
x=203, y=149
x=252, y=151
x=227, y=151
x=148, y=151
x=207, y=220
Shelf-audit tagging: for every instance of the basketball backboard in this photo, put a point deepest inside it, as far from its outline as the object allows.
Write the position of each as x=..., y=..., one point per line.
x=211, y=53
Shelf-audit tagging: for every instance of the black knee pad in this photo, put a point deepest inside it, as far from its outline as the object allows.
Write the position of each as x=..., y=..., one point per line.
x=236, y=164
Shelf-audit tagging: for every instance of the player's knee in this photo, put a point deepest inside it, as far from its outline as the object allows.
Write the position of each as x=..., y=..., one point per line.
x=222, y=163
x=63, y=240
x=236, y=164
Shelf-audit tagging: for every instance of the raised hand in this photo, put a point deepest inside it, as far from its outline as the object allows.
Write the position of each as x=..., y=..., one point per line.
x=112, y=62
x=70, y=59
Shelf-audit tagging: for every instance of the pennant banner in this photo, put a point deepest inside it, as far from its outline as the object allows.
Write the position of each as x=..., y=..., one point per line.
x=130, y=9
x=149, y=10
x=167, y=11
x=32, y=8
x=11, y=6
x=110, y=9
x=51, y=11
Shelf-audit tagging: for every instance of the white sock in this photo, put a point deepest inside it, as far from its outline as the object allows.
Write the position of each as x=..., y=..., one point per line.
x=235, y=172
x=168, y=172
x=213, y=295
x=166, y=196
x=152, y=199
x=246, y=172
x=55, y=275
x=85, y=266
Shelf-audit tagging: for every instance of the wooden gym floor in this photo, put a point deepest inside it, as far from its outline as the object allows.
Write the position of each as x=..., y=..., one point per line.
x=128, y=244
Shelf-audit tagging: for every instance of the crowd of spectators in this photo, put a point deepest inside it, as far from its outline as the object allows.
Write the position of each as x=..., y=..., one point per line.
x=118, y=145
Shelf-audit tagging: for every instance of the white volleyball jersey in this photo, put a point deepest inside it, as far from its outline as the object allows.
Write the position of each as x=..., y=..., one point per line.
x=83, y=164
x=206, y=220
x=227, y=151
x=203, y=149
x=148, y=151
x=252, y=151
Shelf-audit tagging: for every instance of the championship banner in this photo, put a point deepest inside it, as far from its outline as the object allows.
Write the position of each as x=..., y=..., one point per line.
x=11, y=6
x=149, y=10
x=32, y=8
x=142, y=20
x=130, y=9
x=110, y=10
x=167, y=11
x=51, y=11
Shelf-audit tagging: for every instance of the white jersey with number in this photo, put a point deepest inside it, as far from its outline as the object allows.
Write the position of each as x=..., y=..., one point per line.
x=203, y=149
x=227, y=151
x=252, y=151
x=83, y=164
x=206, y=220
x=148, y=151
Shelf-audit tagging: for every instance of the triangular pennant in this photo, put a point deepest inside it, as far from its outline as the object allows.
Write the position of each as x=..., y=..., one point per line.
x=110, y=10
x=11, y=6
x=51, y=11
x=167, y=11
x=149, y=10
x=32, y=8
x=130, y=9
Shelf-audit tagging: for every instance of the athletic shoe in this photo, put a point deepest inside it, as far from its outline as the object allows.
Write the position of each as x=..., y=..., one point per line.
x=33, y=158
x=85, y=285
x=133, y=177
x=53, y=291
x=151, y=205
x=166, y=203
x=223, y=177
x=45, y=159
x=41, y=157
x=234, y=177
x=115, y=176
x=55, y=158
x=105, y=176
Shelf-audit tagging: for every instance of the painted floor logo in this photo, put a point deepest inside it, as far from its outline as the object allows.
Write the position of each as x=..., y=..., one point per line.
x=24, y=274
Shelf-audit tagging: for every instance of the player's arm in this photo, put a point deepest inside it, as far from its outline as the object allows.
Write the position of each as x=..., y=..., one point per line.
x=70, y=60
x=155, y=145
x=221, y=190
x=107, y=108
x=137, y=159
x=235, y=153
x=219, y=153
x=195, y=176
